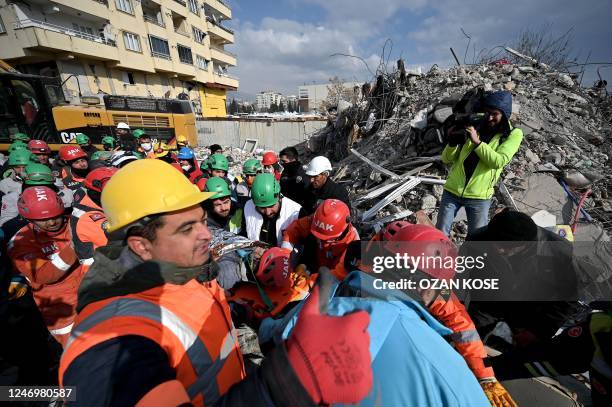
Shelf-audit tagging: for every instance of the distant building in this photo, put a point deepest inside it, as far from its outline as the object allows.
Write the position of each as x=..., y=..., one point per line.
x=266, y=99
x=310, y=97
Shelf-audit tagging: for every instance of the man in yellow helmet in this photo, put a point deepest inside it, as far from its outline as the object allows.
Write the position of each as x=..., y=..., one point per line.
x=150, y=305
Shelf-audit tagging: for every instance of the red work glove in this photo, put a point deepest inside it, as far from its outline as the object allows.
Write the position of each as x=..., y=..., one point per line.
x=329, y=354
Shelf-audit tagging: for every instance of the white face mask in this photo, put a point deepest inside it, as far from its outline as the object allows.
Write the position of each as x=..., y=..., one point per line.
x=186, y=167
x=146, y=146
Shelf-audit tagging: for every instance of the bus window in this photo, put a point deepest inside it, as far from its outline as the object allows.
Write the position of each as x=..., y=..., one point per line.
x=26, y=97
x=55, y=95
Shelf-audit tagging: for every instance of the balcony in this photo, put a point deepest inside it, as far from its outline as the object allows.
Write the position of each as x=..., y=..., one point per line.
x=97, y=8
x=181, y=2
x=44, y=35
x=221, y=55
x=225, y=79
x=220, y=6
x=155, y=20
x=223, y=34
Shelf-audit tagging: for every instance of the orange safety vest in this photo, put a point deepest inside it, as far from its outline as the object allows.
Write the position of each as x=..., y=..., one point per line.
x=247, y=294
x=191, y=322
x=87, y=222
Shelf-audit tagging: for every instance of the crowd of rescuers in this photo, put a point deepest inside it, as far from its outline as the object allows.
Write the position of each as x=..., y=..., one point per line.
x=141, y=275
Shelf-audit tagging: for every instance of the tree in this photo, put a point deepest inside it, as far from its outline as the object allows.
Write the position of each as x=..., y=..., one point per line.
x=281, y=107
x=233, y=107
x=273, y=107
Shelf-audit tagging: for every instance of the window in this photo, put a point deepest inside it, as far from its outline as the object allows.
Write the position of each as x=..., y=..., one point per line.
x=2, y=28
x=131, y=41
x=198, y=35
x=185, y=54
x=159, y=47
x=201, y=62
x=128, y=78
x=125, y=5
x=194, y=7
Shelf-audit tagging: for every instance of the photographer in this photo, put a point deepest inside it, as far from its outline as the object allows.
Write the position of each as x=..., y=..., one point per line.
x=478, y=156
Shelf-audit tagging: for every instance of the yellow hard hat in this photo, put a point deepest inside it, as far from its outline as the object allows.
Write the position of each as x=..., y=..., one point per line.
x=147, y=187
x=180, y=139
x=161, y=149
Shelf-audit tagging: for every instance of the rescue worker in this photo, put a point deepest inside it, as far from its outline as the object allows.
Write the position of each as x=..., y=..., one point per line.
x=250, y=169
x=85, y=143
x=34, y=175
x=268, y=213
x=294, y=181
x=17, y=162
x=477, y=161
x=87, y=219
x=41, y=150
x=186, y=162
x=24, y=138
x=162, y=152
x=42, y=253
x=321, y=186
x=122, y=130
x=190, y=355
x=277, y=288
x=145, y=145
x=5, y=169
x=215, y=149
x=181, y=141
x=218, y=165
x=101, y=156
x=109, y=143
x=222, y=212
x=325, y=237
x=402, y=237
x=271, y=165
x=76, y=169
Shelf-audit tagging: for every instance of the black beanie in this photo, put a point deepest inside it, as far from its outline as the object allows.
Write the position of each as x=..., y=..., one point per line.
x=512, y=226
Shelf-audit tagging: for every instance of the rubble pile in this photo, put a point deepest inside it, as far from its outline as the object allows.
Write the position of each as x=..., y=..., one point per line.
x=396, y=132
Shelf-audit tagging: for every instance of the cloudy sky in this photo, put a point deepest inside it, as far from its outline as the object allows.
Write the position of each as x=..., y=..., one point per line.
x=282, y=44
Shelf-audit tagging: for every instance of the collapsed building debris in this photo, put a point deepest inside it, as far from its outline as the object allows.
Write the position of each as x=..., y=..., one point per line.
x=566, y=153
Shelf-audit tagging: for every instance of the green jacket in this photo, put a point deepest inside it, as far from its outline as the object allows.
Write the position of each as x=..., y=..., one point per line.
x=493, y=158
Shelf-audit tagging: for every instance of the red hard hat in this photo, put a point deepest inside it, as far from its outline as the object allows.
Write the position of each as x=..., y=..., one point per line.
x=71, y=153
x=97, y=179
x=39, y=147
x=422, y=241
x=275, y=268
x=36, y=203
x=330, y=219
x=269, y=158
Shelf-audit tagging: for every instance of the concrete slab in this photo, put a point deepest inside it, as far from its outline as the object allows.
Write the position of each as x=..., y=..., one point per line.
x=543, y=192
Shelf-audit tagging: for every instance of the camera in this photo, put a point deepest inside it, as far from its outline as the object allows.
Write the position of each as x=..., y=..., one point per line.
x=467, y=112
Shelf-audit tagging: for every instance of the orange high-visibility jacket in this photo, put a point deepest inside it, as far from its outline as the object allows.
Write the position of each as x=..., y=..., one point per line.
x=70, y=180
x=329, y=254
x=51, y=266
x=191, y=322
x=465, y=338
x=87, y=222
x=248, y=295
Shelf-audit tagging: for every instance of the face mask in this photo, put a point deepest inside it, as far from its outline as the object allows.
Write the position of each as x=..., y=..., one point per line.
x=185, y=167
x=146, y=146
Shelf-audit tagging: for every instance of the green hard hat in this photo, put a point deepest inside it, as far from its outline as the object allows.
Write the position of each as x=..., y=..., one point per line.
x=218, y=185
x=101, y=155
x=265, y=191
x=252, y=166
x=205, y=165
x=218, y=162
x=109, y=140
x=138, y=133
x=17, y=145
x=38, y=174
x=82, y=139
x=19, y=157
x=21, y=137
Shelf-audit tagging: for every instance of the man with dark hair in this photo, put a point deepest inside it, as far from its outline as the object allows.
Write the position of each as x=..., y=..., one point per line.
x=215, y=148
x=294, y=182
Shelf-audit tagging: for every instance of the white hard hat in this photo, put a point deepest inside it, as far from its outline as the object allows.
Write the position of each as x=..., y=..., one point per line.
x=122, y=125
x=318, y=165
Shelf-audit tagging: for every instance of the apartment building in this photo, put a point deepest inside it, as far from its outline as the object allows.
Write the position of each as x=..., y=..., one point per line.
x=264, y=100
x=147, y=48
x=311, y=97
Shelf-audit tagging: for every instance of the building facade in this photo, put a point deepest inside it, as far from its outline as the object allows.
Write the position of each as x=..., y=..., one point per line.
x=146, y=48
x=266, y=99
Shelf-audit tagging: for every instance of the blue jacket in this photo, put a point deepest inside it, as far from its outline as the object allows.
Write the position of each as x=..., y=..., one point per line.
x=413, y=364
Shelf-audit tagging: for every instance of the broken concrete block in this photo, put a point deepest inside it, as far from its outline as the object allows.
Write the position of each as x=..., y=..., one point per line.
x=576, y=179
x=442, y=114
x=544, y=219
x=531, y=156
x=429, y=202
x=509, y=85
x=542, y=191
